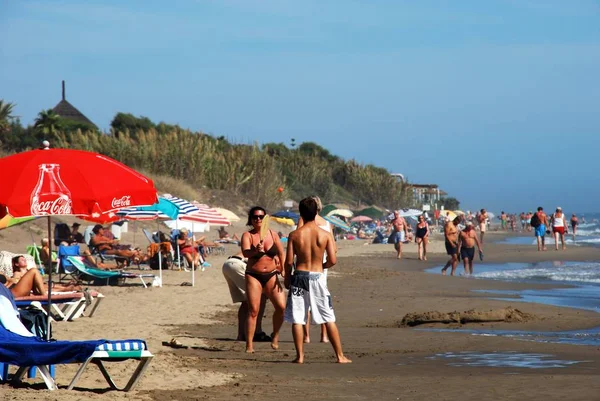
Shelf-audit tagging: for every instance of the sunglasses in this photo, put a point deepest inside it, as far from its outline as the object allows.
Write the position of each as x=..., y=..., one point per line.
x=258, y=216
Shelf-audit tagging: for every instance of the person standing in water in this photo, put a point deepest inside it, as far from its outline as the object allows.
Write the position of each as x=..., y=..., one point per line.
x=559, y=227
x=467, y=239
x=451, y=243
x=574, y=223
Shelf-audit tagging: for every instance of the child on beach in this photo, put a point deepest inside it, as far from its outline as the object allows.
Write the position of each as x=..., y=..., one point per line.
x=307, y=285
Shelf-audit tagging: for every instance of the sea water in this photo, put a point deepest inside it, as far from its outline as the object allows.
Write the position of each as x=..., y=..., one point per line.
x=587, y=233
x=577, y=286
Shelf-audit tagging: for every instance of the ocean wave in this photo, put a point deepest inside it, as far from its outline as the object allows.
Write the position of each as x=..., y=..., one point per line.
x=583, y=273
x=595, y=231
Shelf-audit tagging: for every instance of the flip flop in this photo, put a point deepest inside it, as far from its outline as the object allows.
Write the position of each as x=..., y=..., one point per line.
x=174, y=343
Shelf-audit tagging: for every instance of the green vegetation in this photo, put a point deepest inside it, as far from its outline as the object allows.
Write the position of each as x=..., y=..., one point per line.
x=252, y=173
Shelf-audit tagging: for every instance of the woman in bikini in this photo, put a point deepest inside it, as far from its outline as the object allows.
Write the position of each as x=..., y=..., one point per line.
x=422, y=237
x=27, y=282
x=265, y=261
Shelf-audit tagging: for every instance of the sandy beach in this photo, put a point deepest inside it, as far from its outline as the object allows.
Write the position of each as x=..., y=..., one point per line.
x=372, y=293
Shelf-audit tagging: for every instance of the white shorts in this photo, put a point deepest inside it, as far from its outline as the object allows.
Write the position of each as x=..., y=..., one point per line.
x=234, y=271
x=308, y=291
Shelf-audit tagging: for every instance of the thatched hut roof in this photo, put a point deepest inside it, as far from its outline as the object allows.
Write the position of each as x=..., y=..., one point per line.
x=68, y=111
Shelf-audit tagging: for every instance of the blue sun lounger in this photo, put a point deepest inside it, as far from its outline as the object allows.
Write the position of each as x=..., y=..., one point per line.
x=105, y=276
x=26, y=351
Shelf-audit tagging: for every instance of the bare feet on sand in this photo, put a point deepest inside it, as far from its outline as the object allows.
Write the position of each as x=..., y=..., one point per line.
x=343, y=359
x=249, y=351
x=298, y=360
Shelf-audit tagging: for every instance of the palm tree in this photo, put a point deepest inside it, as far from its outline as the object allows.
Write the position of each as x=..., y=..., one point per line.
x=47, y=122
x=6, y=110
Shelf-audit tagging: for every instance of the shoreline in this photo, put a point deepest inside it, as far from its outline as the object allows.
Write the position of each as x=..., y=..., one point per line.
x=372, y=291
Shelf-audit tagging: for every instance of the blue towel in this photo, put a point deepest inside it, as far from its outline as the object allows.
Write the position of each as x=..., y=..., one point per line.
x=32, y=351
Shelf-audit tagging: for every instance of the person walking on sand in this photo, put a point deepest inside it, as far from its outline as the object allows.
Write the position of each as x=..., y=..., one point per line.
x=400, y=232
x=422, y=237
x=451, y=242
x=483, y=217
x=539, y=221
x=467, y=239
x=307, y=286
x=559, y=227
x=574, y=223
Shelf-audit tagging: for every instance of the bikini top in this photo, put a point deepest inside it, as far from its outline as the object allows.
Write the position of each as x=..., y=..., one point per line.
x=271, y=252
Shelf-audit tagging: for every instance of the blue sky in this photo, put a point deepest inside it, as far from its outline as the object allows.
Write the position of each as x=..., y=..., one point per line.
x=456, y=93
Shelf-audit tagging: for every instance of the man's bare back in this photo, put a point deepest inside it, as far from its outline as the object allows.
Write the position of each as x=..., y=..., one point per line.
x=309, y=244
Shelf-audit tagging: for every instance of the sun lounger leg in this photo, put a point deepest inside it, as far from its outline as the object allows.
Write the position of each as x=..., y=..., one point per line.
x=135, y=377
x=139, y=371
x=47, y=376
x=74, y=309
x=79, y=373
x=96, y=304
x=143, y=282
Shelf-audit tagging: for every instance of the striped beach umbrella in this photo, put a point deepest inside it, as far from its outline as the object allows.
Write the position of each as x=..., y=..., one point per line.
x=337, y=222
x=206, y=214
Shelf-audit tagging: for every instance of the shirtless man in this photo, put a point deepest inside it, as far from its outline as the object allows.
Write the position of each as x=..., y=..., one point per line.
x=400, y=232
x=540, y=231
x=307, y=285
x=467, y=239
x=451, y=242
x=482, y=224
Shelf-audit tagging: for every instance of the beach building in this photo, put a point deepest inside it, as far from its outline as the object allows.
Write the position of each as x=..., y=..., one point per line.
x=67, y=111
x=427, y=194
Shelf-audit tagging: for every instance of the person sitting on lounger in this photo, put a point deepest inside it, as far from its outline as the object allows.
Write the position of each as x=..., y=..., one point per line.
x=24, y=282
x=189, y=249
x=109, y=246
x=224, y=236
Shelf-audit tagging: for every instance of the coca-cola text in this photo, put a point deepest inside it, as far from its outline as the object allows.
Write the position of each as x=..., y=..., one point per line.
x=60, y=205
x=121, y=202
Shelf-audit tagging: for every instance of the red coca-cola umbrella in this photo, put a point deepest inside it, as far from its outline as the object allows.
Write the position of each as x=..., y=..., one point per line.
x=51, y=182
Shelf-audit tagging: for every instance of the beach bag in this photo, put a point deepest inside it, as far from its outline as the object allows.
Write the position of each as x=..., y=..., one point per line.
x=35, y=321
x=535, y=221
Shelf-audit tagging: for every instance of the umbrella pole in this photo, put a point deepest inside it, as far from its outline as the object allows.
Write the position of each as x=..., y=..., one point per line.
x=159, y=255
x=49, y=267
x=197, y=250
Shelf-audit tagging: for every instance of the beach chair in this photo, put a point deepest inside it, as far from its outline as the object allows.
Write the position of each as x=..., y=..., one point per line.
x=65, y=267
x=106, y=277
x=66, y=305
x=26, y=351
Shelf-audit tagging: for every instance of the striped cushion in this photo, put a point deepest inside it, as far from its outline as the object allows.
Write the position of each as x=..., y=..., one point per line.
x=123, y=345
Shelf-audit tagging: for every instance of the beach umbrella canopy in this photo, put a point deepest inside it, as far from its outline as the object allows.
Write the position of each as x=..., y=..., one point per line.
x=361, y=219
x=337, y=222
x=372, y=212
x=207, y=214
x=410, y=212
x=50, y=182
x=327, y=208
x=459, y=212
x=9, y=221
x=283, y=220
x=286, y=214
x=47, y=182
x=340, y=212
x=228, y=214
x=163, y=209
x=448, y=214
